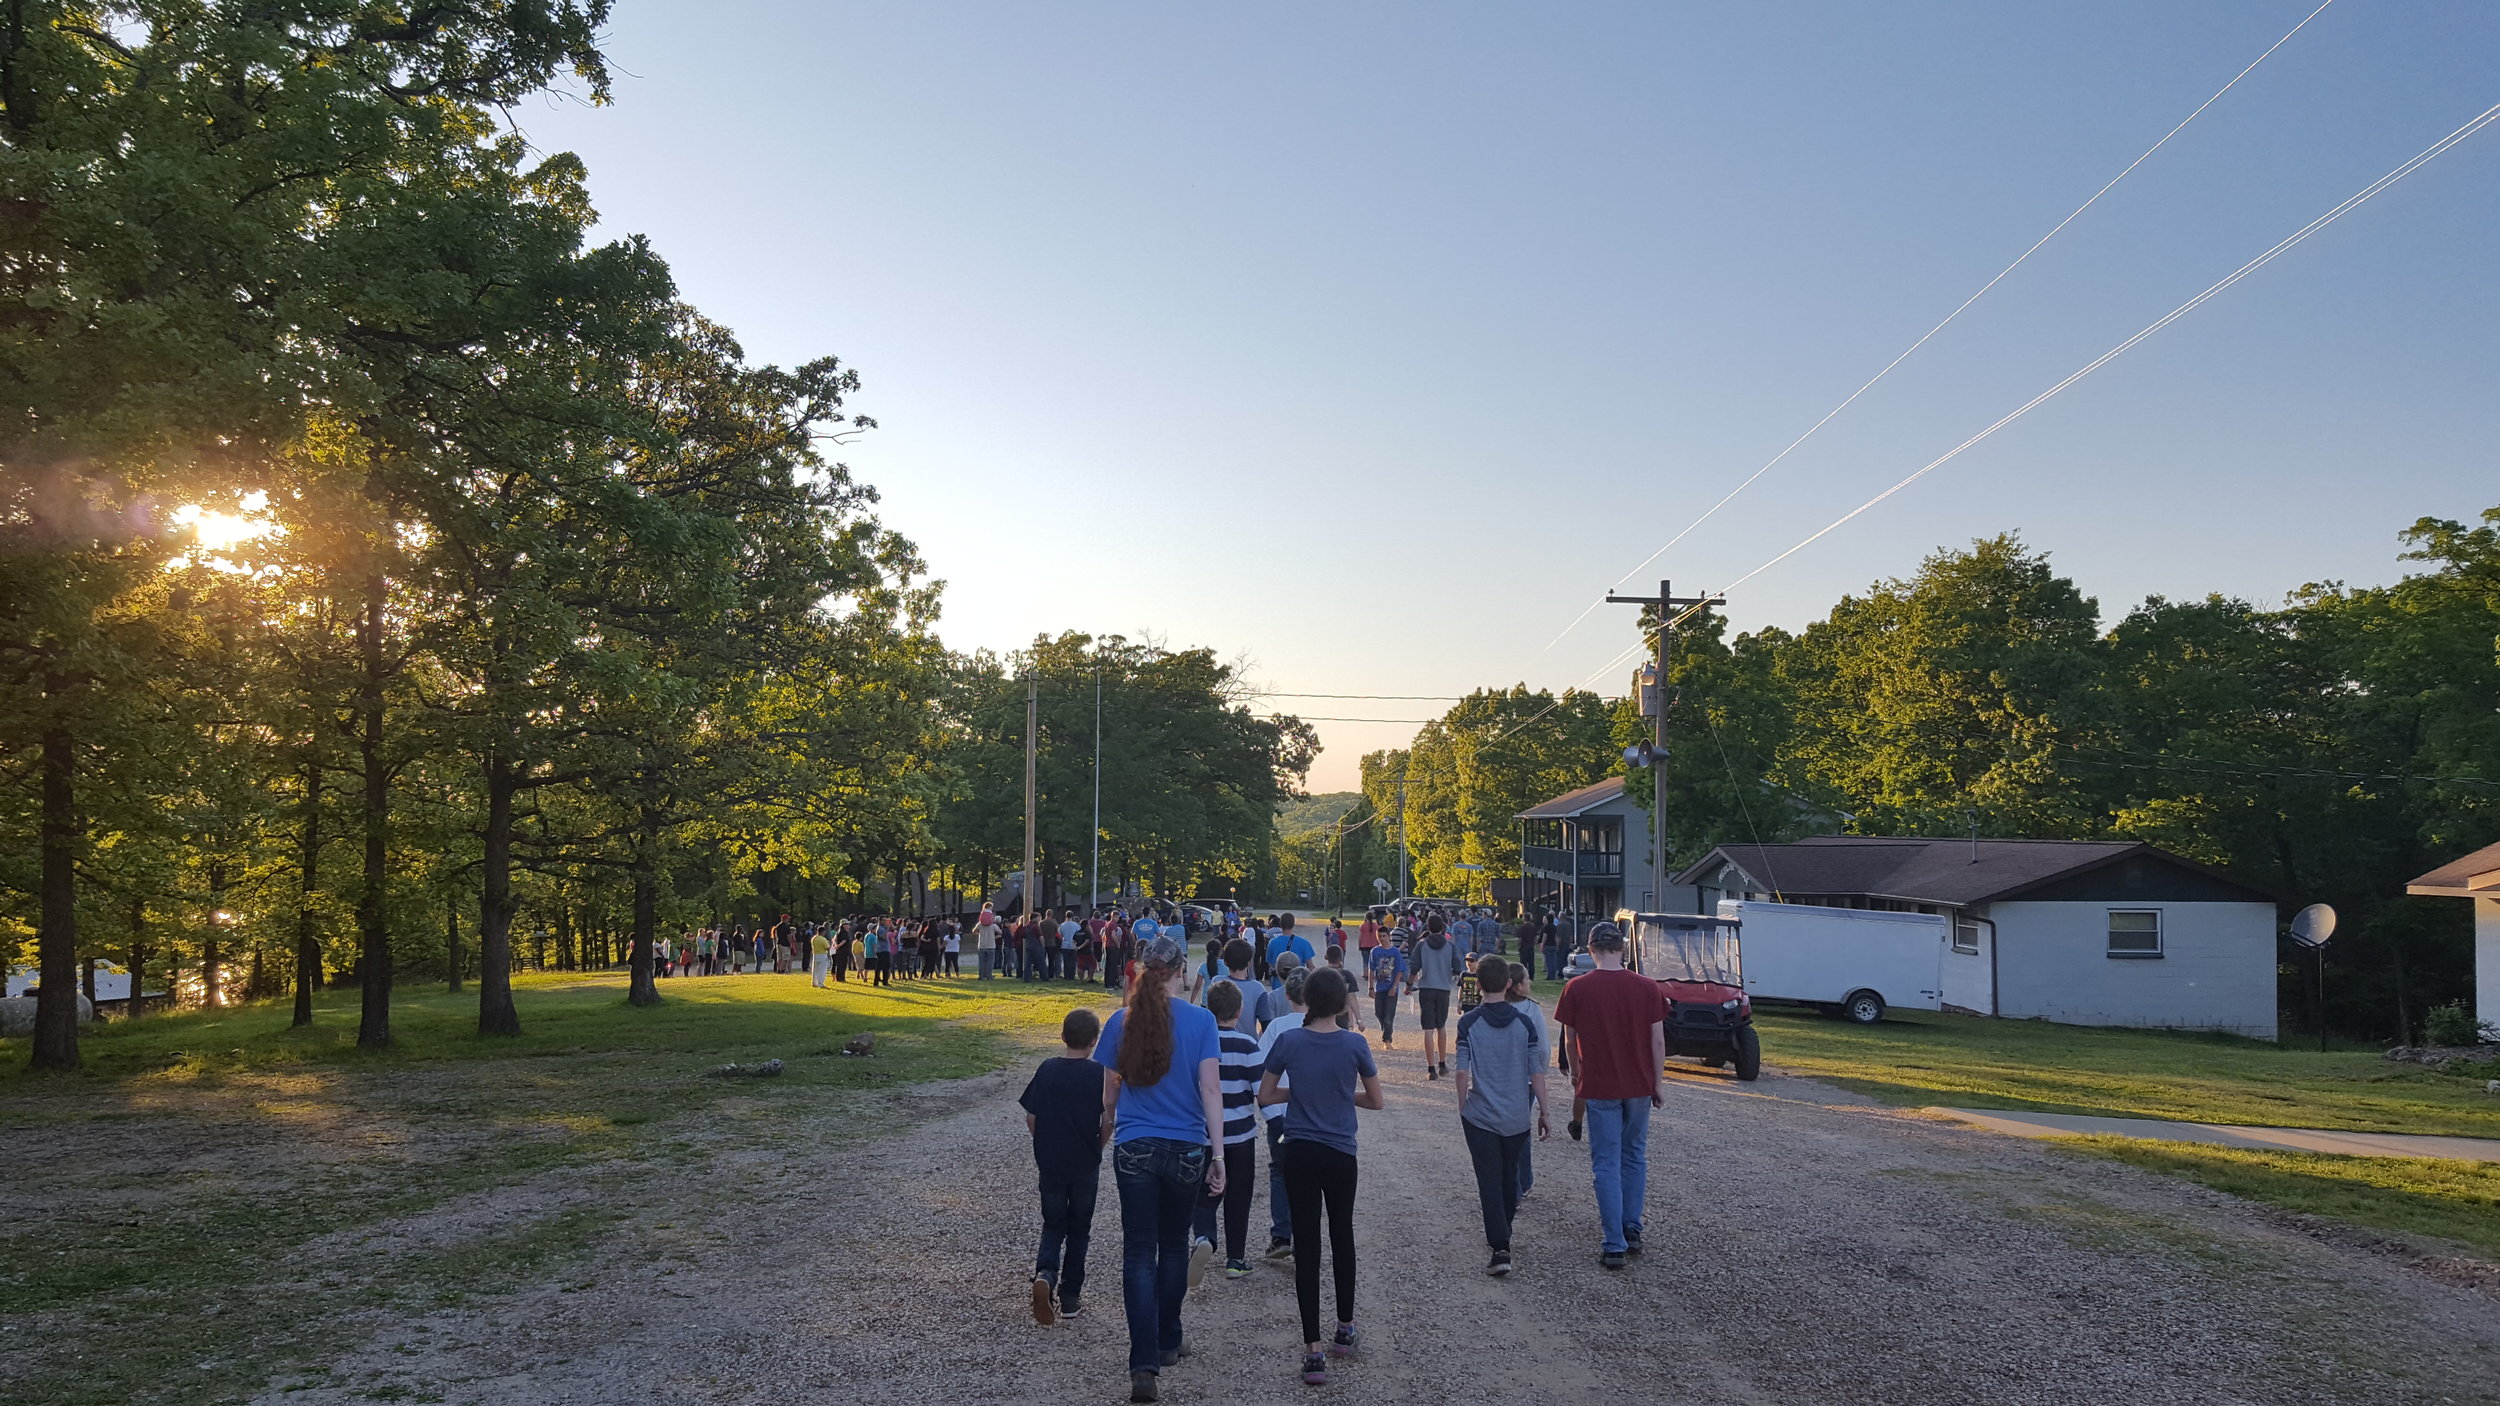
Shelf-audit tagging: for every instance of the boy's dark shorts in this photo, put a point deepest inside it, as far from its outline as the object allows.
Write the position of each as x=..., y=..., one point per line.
x=1432, y=1008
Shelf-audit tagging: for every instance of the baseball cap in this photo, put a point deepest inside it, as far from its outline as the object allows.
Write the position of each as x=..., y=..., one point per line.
x=1287, y=961
x=1164, y=952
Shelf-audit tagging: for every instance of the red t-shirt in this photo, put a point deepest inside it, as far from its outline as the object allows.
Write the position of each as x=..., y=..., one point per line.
x=1611, y=1011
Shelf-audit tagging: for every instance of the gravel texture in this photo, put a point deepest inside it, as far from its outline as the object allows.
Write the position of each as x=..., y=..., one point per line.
x=1803, y=1247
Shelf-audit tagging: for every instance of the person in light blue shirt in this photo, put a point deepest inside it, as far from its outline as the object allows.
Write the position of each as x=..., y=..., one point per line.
x=1159, y=1056
x=1285, y=940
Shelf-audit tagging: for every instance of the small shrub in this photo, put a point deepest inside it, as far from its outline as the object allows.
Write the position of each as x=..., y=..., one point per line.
x=2451, y=1024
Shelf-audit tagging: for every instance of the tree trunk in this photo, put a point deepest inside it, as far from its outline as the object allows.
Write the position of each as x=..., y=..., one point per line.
x=451, y=933
x=212, y=962
x=373, y=933
x=642, y=990
x=308, y=871
x=138, y=956
x=56, y=935
x=495, y=1012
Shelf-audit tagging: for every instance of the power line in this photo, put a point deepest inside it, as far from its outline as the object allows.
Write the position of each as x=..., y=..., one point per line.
x=2351, y=203
x=1403, y=722
x=1367, y=697
x=1949, y=317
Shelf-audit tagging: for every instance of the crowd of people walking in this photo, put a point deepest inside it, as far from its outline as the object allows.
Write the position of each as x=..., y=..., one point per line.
x=1263, y=1040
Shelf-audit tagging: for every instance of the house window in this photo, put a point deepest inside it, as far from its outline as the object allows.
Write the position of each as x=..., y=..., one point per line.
x=2135, y=932
x=1966, y=936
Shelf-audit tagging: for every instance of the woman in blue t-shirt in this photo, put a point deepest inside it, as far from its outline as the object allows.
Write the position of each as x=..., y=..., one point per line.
x=1158, y=1054
x=1330, y=1071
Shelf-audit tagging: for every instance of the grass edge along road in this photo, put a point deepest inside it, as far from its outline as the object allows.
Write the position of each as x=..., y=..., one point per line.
x=1925, y=1059
x=215, y=1185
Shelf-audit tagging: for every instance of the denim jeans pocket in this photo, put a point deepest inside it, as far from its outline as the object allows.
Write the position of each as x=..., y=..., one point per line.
x=1132, y=1159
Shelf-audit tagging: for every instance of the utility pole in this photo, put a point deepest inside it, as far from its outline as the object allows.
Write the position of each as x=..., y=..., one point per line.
x=1093, y=867
x=1032, y=737
x=1337, y=890
x=1665, y=601
x=1402, y=850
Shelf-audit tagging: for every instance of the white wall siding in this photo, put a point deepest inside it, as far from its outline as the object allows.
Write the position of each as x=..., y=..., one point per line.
x=1967, y=984
x=2216, y=971
x=2487, y=960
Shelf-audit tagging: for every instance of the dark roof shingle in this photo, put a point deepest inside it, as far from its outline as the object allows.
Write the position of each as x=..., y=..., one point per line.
x=1917, y=870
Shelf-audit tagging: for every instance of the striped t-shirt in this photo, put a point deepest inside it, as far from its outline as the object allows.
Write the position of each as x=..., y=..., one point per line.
x=1238, y=1065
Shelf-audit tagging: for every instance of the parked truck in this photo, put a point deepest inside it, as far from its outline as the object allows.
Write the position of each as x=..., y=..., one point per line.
x=1852, y=962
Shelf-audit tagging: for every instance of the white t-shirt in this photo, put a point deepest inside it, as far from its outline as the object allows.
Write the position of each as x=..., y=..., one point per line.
x=987, y=932
x=1290, y=1020
x=954, y=943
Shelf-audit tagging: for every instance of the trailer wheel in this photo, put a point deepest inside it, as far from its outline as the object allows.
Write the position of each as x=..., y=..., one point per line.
x=1748, y=1054
x=1863, y=1007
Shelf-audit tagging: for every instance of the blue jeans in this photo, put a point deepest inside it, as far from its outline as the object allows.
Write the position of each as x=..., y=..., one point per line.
x=1161, y=1182
x=1279, y=1213
x=1067, y=1221
x=1618, y=1130
x=1553, y=964
x=989, y=960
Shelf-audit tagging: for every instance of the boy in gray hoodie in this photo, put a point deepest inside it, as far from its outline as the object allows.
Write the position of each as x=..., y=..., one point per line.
x=1501, y=1092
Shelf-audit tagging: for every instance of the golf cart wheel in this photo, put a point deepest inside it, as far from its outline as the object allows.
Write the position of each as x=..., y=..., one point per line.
x=1748, y=1054
x=1863, y=1007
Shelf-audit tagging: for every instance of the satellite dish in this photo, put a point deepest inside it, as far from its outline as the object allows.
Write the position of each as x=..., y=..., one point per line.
x=2313, y=925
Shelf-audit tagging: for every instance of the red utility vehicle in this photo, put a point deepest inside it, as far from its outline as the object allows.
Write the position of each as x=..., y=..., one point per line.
x=1698, y=958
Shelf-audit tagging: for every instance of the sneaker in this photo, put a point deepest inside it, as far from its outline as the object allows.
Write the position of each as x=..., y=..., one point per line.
x=1069, y=1307
x=1173, y=1355
x=1279, y=1249
x=1043, y=1310
x=1632, y=1240
x=1500, y=1265
x=1201, y=1253
x=1235, y=1269
x=1388, y=1039
x=1611, y=1259
x=1315, y=1369
x=1142, y=1387
x=1347, y=1340
x=1432, y=1071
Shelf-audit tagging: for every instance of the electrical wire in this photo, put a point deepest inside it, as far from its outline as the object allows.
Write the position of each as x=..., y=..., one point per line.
x=1931, y=332
x=2285, y=245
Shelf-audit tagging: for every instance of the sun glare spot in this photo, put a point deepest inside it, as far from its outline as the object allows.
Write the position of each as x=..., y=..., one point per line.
x=214, y=531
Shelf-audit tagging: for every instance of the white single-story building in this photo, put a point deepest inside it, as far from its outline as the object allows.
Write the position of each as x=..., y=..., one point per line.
x=2084, y=932
x=2475, y=877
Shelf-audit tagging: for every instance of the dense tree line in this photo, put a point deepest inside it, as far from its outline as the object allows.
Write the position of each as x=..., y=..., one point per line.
x=2326, y=750
x=553, y=623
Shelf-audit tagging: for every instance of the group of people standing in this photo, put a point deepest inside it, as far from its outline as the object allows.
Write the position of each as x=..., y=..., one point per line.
x=1195, y=1070
x=877, y=949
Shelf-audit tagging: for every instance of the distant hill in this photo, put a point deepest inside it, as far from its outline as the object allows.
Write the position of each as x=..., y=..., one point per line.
x=1315, y=812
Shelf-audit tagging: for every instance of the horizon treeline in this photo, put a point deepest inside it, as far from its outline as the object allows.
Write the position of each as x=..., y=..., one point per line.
x=395, y=582
x=2326, y=750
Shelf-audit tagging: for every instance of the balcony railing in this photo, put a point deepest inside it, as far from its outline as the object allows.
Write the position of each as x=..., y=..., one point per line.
x=1590, y=864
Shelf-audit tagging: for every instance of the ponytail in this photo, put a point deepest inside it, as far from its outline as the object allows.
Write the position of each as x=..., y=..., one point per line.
x=1146, y=1042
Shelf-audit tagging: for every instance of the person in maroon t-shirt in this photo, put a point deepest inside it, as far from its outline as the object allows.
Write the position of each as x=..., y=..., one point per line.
x=1616, y=1023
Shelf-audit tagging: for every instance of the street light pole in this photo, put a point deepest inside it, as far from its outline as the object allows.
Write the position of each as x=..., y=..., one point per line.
x=1032, y=733
x=1093, y=867
x=1403, y=867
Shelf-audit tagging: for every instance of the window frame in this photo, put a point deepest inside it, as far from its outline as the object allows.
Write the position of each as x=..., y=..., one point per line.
x=1963, y=925
x=2109, y=935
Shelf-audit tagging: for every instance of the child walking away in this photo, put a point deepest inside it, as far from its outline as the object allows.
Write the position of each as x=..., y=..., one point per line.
x=1501, y=1090
x=1238, y=1066
x=1333, y=1075
x=1158, y=1055
x=1063, y=1109
x=1436, y=976
x=1389, y=972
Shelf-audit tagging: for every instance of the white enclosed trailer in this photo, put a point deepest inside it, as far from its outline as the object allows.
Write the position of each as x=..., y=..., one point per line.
x=1856, y=962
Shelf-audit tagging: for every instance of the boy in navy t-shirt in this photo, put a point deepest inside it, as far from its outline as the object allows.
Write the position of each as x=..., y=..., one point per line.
x=1063, y=1108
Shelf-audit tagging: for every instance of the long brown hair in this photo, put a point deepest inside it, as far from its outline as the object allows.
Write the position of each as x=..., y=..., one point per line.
x=1146, y=1039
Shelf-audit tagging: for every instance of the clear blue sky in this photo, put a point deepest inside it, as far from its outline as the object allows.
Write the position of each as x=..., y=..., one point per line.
x=1367, y=343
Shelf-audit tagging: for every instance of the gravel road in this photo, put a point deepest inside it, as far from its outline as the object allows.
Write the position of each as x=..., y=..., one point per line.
x=1803, y=1247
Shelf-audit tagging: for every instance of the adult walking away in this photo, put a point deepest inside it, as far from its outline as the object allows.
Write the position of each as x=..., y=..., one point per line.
x=1615, y=1024
x=1332, y=1075
x=1389, y=975
x=820, y=956
x=1501, y=1094
x=1285, y=941
x=985, y=942
x=1160, y=1084
x=1063, y=1110
x=1436, y=976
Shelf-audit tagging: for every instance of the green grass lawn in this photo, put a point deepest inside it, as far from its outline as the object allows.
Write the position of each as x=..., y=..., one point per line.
x=195, y=1214
x=1922, y=1058
x=2458, y=1201
x=925, y=1029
